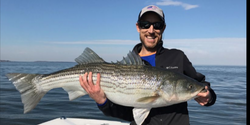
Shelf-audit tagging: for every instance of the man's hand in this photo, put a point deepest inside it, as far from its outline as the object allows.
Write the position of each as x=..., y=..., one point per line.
x=203, y=97
x=94, y=90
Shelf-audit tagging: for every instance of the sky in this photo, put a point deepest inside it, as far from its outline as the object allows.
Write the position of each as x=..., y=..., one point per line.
x=209, y=32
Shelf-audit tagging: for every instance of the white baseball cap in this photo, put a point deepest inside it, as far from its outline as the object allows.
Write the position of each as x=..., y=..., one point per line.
x=152, y=8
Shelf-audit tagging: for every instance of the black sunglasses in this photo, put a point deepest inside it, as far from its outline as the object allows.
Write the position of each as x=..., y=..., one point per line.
x=146, y=25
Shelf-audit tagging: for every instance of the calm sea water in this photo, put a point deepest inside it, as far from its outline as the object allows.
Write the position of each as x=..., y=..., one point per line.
x=229, y=83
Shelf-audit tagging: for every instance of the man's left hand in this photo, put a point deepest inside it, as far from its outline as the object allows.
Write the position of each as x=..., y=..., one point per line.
x=203, y=97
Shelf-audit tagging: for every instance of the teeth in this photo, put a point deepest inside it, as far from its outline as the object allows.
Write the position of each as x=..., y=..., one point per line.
x=150, y=37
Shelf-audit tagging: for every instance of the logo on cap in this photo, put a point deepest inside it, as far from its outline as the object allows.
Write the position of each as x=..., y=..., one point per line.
x=151, y=7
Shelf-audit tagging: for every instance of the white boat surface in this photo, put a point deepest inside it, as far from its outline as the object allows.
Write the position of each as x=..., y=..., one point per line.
x=81, y=121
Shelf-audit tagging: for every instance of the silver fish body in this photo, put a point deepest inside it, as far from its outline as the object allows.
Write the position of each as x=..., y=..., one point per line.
x=128, y=82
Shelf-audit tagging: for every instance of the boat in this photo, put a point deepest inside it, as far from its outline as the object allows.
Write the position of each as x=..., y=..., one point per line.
x=81, y=121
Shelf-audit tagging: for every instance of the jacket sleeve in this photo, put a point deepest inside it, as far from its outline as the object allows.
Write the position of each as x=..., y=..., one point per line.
x=190, y=71
x=118, y=111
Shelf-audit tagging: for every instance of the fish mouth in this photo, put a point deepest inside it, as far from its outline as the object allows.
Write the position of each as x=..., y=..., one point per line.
x=203, y=90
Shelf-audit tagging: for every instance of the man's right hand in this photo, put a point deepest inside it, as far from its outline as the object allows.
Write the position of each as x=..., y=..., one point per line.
x=94, y=90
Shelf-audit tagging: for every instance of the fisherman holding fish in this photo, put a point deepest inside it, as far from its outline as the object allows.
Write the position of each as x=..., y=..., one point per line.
x=151, y=25
x=150, y=86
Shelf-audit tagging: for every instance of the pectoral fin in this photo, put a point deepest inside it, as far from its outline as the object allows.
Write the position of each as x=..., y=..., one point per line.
x=140, y=114
x=148, y=99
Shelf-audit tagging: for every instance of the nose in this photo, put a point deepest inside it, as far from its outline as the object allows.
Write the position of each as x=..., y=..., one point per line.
x=151, y=29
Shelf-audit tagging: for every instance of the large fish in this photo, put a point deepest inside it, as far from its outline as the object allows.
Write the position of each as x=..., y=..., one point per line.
x=128, y=82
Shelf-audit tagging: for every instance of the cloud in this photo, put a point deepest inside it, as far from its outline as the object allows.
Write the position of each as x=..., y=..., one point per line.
x=203, y=51
x=186, y=6
x=212, y=51
x=99, y=42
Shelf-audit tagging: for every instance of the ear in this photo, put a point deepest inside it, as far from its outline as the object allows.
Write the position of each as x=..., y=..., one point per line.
x=137, y=27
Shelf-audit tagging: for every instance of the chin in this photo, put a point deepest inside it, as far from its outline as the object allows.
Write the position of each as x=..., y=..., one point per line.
x=151, y=45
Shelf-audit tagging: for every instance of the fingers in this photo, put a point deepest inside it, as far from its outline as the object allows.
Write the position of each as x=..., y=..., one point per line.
x=200, y=102
x=84, y=82
x=203, y=97
x=90, y=81
x=98, y=79
x=204, y=94
x=94, y=90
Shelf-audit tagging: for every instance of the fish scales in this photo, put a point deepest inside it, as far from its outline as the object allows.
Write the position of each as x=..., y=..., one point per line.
x=113, y=77
x=116, y=79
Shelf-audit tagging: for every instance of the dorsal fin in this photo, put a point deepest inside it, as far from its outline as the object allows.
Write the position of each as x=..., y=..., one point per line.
x=131, y=59
x=89, y=56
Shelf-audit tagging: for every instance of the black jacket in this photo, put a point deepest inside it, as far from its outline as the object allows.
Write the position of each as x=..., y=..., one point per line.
x=171, y=59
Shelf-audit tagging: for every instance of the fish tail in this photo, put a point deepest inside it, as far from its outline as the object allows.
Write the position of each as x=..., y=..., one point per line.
x=27, y=85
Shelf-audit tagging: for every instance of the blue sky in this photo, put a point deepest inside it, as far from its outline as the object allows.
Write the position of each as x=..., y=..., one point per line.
x=210, y=32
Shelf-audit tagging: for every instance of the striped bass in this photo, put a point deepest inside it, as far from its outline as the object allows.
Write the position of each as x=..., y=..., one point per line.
x=128, y=82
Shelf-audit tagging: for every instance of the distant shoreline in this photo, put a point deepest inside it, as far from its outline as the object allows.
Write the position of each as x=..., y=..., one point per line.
x=54, y=61
x=4, y=60
x=75, y=62
x=37, y=61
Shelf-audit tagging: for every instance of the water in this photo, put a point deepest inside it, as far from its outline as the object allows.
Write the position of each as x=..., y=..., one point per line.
x=229, y=83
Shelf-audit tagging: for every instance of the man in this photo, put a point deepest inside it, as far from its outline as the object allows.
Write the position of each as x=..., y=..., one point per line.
x=151, y=25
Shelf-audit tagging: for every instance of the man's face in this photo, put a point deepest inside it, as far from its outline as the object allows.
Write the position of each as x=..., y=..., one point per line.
x=150, y=36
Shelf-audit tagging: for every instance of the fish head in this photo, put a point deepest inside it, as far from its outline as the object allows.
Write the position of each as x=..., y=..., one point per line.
x=182, y=89
x=187, y=89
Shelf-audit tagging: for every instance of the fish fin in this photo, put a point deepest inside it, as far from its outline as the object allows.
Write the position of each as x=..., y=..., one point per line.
x=140, y=114
x=74, y=92
x=148, y=99
x=131, y=59
x=89, y=56
x=27, y=85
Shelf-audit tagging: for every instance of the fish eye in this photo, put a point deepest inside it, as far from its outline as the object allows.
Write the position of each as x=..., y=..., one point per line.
x=190, y=86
